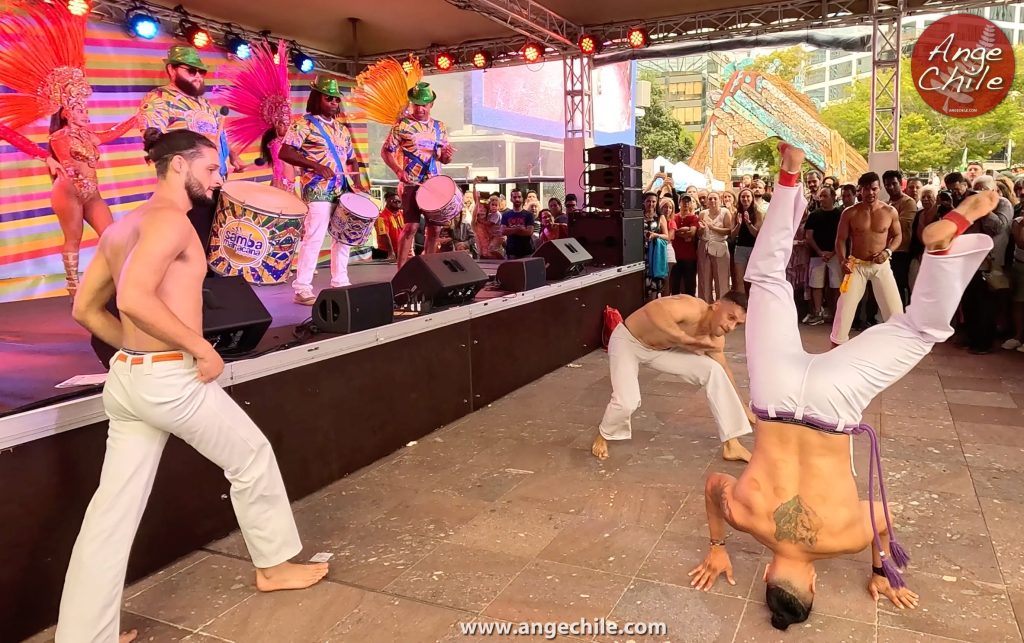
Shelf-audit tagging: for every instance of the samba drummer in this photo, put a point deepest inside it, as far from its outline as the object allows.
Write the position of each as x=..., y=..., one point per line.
x=321, y=146
x=413, y=149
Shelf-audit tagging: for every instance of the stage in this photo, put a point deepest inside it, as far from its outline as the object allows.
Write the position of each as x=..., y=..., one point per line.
x=329, y=406
x=42, y=346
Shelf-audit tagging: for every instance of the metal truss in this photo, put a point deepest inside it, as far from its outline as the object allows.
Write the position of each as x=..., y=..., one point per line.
x=528, y=18
x=886, y=38
x=579, y=112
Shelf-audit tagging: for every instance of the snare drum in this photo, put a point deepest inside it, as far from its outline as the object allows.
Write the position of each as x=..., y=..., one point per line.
x=353, y=220
x=439, y=199
x=255, y=232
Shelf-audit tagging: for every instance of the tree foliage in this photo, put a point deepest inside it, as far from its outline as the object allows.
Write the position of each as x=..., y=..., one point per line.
x=659, y=132
x=788, y=64
x=929, y=140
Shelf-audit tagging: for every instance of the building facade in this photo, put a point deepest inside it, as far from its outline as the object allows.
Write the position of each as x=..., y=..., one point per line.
x=831, y=73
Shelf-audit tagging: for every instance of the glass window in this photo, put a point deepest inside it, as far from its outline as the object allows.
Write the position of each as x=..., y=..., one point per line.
x=841, y=71
x=1020, y=37
x=816, y=76
x=838, y=92
x=864, y=65
x=817, y=56
x=817, y=95
x=1002, y=13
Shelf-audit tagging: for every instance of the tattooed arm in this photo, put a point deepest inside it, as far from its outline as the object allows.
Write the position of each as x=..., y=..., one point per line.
x=717, y=496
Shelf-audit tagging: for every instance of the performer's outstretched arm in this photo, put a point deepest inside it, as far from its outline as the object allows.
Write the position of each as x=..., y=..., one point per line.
x=879, y=584
x=22, y=143
x=117, y=131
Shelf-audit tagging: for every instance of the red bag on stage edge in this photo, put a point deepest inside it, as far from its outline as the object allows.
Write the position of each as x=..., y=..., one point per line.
x=612, y=318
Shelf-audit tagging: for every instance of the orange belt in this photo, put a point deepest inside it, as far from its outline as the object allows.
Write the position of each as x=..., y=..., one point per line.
x=161, y=357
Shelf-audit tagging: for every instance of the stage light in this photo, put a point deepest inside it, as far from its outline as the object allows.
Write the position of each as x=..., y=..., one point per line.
x=532, y=52
x=302, y=62
x=444, y=61
x=407, y=67
x=589, y=45
x=194, y=34
x=237, y=46
x=142, y=25
x=78, y=7
x=481, y=59
x=637, y=38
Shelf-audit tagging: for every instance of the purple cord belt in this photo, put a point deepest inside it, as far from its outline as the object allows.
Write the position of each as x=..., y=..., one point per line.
x=899, y=558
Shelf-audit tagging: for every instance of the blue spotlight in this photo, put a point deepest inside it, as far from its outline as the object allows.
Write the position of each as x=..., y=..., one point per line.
x=142, y=25
x=238, y=46
x=303, y=62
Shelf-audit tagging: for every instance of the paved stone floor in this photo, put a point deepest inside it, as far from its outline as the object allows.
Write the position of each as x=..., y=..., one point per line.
x=505, y=516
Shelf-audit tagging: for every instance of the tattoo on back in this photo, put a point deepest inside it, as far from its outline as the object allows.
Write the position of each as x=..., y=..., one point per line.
x=796, y=522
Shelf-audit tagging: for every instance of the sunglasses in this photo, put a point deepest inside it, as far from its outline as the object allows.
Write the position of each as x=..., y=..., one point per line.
x=332, y=99
x=192, y=71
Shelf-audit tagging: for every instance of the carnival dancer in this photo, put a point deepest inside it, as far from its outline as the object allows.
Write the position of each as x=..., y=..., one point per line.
x=321, y=145
x=162, y=382
x=798, y=496
x=180, y=105
x=874, y=231
x=257, y=89
x=42, y=58
x=683, y=336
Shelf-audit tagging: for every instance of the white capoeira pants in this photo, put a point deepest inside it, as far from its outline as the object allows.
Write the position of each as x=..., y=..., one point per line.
x=835, y=387
x=626, y=354
x=146, y=403
x=313, y=230
x=884, y=288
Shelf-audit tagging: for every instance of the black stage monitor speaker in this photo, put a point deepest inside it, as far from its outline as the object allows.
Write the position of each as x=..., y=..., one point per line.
x=615, y=199
x=351, y=309
x=619, y=178
x=234, y=318
x=617, y=155
x=563, y=258
x=613, y=241
x=518, y=275
x=438, y=279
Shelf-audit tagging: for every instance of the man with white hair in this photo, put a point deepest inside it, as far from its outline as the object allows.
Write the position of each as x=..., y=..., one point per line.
x=979, y=301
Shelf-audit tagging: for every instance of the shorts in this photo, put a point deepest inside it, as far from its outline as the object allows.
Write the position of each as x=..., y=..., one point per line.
x=742, y=254
x=818, y=268
x=1017, y=274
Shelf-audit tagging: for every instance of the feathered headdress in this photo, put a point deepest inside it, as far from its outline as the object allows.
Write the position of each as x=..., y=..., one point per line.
x=42, y=58
x=381, y=92
x=259, y=91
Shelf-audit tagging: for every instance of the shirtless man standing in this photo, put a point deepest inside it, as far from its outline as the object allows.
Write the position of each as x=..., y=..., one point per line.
x=874, y=231
x=798, y=496
x=684, y=336
x=162, y=382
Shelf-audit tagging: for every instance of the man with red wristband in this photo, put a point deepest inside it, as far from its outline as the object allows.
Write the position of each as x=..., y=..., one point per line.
x=798, y=496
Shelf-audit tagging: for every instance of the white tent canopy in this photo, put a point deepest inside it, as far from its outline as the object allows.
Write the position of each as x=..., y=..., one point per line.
x=683, y=176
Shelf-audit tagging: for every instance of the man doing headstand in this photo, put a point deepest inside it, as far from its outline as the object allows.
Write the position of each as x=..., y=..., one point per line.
x=684, y=336
x=162, y=383
x=798, y=496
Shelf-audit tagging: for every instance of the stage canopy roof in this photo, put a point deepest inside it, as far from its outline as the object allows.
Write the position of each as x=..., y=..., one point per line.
x=425, y=27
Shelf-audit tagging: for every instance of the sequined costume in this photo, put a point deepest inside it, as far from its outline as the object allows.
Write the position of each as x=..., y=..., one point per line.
x=42, y=59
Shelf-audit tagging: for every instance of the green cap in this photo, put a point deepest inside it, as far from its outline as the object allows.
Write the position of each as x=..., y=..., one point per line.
x=184, y=55
x=422, y=94
x=326, y=85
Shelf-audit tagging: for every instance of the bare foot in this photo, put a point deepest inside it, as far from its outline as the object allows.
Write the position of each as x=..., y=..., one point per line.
x=128, y=636
x=792, y=158
x=600, y=448
x=289, y=576
x=734, y=451
x=939, y=234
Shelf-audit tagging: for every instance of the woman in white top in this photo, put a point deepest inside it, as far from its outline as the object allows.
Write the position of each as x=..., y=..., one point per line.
x=713, y=251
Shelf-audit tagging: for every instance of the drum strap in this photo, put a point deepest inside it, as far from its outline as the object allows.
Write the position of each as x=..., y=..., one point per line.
x=332, y=148
x=225, y=153
x=429, y=167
